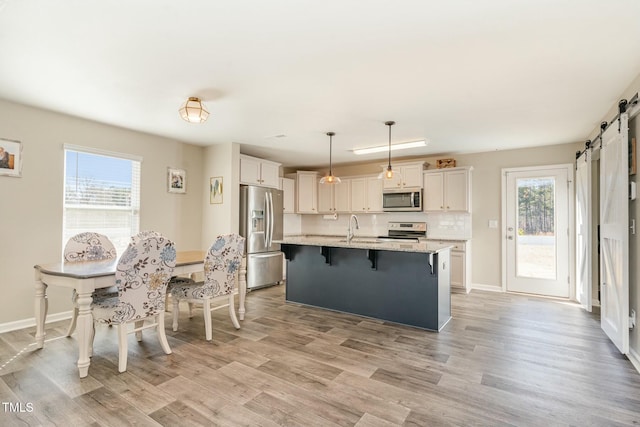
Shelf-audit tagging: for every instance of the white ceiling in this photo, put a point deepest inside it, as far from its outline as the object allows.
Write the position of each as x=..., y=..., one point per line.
x=468, y=75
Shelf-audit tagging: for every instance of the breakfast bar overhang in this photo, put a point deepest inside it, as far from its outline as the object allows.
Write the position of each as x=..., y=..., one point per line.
x=401, y=283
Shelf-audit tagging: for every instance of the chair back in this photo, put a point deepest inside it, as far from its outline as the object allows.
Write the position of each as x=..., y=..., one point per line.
x=142, y=274
x=144, y=234
x=221, y=265
x=89, y=246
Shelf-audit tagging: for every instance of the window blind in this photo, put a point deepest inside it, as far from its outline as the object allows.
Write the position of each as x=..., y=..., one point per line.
x=101, y=194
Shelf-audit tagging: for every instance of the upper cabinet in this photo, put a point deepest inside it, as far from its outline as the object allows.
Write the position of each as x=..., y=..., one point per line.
x=405, y=175
x=366, y=194
x=254, y=171
x=447, y=190
x=288, y=187
x=306, y=192
x=334, y=198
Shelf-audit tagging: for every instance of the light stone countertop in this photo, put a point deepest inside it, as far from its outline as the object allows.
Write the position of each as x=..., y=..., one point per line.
x=364, y=242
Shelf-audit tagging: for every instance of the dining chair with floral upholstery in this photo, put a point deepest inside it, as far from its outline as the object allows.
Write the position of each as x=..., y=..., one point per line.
x=145, y=234
x=221, y=265
x=175, y=280
x=87, y=247
x=142, y=275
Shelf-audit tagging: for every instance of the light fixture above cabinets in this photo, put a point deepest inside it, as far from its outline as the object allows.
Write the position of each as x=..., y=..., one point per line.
x=388, y=174
x=330, y=179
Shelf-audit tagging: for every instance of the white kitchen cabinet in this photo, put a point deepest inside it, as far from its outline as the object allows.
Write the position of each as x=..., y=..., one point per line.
x=460, y=262
x=366, y=194
x=405, y=175
x=306, y=192
x=325, y=198
x=447, y=190
x=457, y=269
x=342, y=196
x=254, y=171
x=334, y=198
x=288, y=187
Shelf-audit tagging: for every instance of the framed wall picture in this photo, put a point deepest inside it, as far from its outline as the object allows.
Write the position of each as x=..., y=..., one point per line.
x=10, y=157
x=176, y=180
x=215, y=190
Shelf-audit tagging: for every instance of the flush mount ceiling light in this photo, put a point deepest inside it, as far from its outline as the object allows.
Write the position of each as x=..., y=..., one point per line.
x=381, y=148
x=330, y=179
x=388, y=174
x=194, y=111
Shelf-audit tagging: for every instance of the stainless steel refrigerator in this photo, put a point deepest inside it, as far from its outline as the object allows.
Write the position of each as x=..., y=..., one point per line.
x=261, y=224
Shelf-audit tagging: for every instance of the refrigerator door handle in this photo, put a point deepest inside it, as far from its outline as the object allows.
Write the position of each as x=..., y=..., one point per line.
x=266, y=220
x=271, y=221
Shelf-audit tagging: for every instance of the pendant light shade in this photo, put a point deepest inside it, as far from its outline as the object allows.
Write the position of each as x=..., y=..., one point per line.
x=194, y=111
x=330, y=179
x=388, y=173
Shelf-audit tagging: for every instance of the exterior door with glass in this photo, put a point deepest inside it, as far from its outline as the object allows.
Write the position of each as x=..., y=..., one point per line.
x=536, y=244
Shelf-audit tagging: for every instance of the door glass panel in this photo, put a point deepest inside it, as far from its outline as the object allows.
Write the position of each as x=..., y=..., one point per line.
x=536, y=236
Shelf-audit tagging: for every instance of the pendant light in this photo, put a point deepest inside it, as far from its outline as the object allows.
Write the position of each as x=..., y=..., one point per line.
x=388, y=174
x=193, y=110
x=330, y=179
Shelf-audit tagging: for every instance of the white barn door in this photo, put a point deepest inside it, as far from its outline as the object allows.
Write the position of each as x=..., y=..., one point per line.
x=614, y=239
x=584, y=222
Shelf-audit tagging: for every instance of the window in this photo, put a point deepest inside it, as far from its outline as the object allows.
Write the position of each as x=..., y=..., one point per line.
x=101, y=194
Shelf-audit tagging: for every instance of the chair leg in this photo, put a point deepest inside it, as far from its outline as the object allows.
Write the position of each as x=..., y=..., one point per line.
x=232, y=312
x=190, y=310
x=122, y=347
x=139, y=324
x=206, y=308
x=162, y=336
x=176, y=313
x=74, y=320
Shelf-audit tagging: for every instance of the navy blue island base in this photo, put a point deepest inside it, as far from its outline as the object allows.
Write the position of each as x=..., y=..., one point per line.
x=411, y=288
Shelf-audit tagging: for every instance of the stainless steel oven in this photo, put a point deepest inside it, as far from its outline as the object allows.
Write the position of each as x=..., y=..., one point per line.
x=405, y=232
x=400, y=200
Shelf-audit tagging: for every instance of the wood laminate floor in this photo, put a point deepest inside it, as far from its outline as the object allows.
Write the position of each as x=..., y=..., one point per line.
x=504, y=359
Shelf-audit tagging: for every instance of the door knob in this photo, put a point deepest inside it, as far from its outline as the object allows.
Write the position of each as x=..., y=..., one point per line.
x=510, y=237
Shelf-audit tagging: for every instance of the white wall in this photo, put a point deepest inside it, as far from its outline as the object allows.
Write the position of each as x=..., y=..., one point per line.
x=31, y=206
x=221, y=160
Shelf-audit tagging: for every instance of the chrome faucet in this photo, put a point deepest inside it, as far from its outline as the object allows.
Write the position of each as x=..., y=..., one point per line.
x=350, y=230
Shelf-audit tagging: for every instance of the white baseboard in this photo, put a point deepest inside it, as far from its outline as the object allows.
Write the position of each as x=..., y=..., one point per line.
x=28, y=323
x=483, y=287
x=635, y=359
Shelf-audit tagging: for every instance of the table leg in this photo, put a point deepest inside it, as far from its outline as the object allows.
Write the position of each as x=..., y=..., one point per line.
x=41, y=308
x=84, y=332
x=242, y=286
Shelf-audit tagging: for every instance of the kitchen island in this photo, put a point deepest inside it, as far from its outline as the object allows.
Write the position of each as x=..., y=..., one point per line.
x=407, y=283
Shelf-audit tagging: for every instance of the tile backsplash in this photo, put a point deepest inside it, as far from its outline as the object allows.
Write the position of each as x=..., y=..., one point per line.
x=439, y=225
x=447, y=225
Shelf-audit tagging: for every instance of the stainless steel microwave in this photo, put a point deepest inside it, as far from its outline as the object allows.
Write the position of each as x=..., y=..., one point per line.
x=402, y=200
